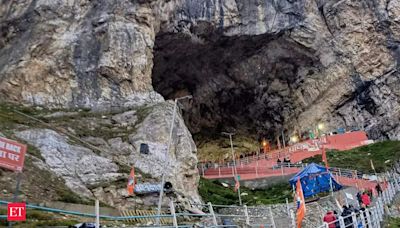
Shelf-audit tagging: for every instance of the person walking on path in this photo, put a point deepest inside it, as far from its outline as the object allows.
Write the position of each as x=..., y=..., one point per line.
x=366, y=200
x=378, y=189
x=330, y=218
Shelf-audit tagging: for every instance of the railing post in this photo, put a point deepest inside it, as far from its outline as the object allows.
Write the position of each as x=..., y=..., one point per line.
x=246, y=213
x=172, y=209
x=387, y=196
x=211, y=209
x=202, y=169
x=373, y=216
x=287, y=207
x=97, y=209
x=384, y=196
x=389, y=193
x=369, y=222
x=378, y=221
x=392, y=189
x=272, y=218
x=354, y=218
x=293, y=218
x=362, y=218
x=380, y=209
x=341, y=222
x=282, y=169
x=219, y=171
x=396, y=184
x=257, y=168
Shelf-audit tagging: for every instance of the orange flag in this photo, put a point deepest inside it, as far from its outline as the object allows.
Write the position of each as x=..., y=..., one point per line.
x=300, y=204
x=131, y=182
x=324, y=159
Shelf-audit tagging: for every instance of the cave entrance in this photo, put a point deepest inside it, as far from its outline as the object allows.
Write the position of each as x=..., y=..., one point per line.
x=241, y=82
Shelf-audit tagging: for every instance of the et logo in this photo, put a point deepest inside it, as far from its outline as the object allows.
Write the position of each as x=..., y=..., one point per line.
x=16, y=212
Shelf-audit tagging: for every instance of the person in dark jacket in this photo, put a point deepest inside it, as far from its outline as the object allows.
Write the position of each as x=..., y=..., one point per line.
x=346, y=214
x=330, y=218
x=359, y=198
x=378, y=189
x=337, y=224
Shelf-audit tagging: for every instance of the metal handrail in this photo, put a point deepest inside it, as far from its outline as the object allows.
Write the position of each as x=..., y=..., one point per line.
x=278, y=153
x=374, y=215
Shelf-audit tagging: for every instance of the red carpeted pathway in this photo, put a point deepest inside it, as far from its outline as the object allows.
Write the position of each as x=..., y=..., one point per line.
x=252, y=168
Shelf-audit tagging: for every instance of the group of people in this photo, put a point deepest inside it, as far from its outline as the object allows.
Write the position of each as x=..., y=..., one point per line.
x=364, y=199
x=331, y=217
x=285, y=160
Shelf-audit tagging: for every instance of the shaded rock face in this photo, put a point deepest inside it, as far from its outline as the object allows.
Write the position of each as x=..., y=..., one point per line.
x=273, y=65
x=241, y=82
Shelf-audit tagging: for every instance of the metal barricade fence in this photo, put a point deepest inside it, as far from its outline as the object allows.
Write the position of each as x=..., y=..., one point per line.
x=203, y=166
x=373, y=216
x=172, y=217
x=239, y=216
x=214, y=213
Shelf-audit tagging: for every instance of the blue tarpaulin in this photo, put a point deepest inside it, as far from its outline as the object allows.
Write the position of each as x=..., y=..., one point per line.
x=315, y=179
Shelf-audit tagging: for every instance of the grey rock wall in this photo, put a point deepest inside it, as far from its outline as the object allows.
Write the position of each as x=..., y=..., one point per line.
x=272, y=65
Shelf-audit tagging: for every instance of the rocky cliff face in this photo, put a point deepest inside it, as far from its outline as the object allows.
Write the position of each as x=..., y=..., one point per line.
x=264, y=64
x=95, y=55
x=253, y=65
x=94, y=152
x=272, y=65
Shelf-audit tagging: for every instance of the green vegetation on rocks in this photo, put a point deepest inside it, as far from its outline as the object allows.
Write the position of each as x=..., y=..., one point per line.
x=213, y=191
x=217, y=147
x=383, y=154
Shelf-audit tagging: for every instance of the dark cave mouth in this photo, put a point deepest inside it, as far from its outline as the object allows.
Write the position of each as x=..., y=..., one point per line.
x=243, y=82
